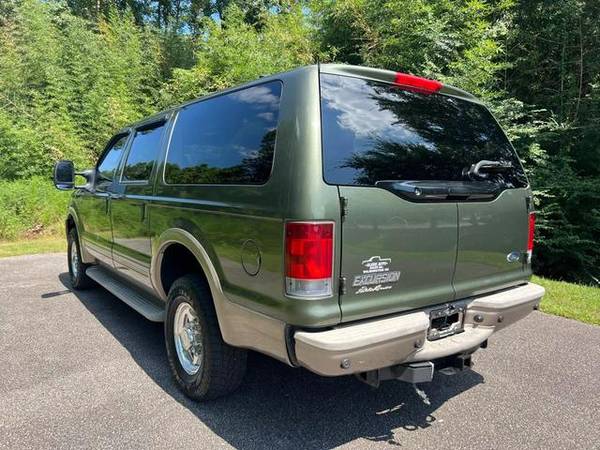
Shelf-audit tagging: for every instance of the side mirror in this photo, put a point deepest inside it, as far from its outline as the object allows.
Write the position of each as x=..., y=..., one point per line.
x=64, y=175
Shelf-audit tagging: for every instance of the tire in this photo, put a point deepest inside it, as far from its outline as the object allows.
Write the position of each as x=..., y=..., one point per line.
x=220, y=368
x=77, y=275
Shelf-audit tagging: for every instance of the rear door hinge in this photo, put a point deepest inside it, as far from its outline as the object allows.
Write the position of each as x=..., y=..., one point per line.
x=342, y=287
x=344, y=206
x=529, y=203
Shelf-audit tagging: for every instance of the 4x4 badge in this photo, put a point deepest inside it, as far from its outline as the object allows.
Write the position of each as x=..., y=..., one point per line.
x=376, y=275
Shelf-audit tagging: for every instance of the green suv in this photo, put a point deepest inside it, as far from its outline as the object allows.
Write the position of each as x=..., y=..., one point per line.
x=343, y=219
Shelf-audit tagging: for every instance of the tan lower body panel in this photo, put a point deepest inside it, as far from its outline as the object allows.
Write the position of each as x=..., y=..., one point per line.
x=385, y=342
x=244, y=328
x=240, y=327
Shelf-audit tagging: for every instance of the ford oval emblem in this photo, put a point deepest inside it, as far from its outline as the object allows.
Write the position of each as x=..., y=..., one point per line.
x=513, y=257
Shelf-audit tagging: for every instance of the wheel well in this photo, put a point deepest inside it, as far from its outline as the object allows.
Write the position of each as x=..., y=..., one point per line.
x=70, y=224
x=178, y=261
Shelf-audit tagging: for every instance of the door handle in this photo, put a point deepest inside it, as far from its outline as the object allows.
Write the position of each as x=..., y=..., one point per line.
x=116, y=196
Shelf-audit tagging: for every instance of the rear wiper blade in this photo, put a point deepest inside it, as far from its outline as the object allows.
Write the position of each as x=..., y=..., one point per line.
x=484, y=168
x=432, y=191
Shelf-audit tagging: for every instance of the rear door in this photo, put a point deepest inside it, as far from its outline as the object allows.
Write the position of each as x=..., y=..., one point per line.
x=129, y=203
x=396, y=254
x=492, y=244
x=416, y=221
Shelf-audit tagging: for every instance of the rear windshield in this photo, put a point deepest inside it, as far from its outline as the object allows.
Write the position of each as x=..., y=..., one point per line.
x=375, y=131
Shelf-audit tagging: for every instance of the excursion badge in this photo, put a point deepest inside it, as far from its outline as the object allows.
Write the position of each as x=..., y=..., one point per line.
x=376, y=276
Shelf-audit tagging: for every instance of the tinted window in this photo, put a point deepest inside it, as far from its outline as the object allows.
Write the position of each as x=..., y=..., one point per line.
x=143, y=153
x=110, y=161
x=374, y=131
x=227, y=139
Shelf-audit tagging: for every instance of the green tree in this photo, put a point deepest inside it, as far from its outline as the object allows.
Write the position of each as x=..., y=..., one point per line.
x=67, y=84
x=453, y=41
x=555, y=65
x=240, y=52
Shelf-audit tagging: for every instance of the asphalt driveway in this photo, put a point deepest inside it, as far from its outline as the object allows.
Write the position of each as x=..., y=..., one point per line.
x=85, y=370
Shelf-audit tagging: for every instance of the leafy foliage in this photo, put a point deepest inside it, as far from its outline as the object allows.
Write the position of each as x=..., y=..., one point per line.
x=21, y=213
x=67, y=84
x=240, y=52
x=74, y=71
x=556, y=67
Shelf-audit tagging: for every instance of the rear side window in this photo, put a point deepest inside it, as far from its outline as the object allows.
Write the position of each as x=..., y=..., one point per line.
x=142, y=154
x=375, y=131
x=227, y=139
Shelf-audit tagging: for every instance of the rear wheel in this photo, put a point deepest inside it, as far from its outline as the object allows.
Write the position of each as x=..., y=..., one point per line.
x=77, y=275
x=204, y=366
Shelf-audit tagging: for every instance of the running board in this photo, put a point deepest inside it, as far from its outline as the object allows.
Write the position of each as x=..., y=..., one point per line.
x=146, y=307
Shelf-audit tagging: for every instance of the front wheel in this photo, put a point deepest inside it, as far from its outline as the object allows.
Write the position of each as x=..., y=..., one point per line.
x=204, y=366
x=77, y=275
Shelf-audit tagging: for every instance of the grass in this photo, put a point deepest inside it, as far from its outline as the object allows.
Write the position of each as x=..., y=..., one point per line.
x=570, y=300
x=35, y=245
x=574, y=301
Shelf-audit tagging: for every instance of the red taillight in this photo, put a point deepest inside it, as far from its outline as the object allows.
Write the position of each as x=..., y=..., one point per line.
x=531, y=235
x=417, y=84
x=309, y=258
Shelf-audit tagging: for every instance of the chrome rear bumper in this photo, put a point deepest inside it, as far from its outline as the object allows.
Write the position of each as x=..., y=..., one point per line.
x=380, y=343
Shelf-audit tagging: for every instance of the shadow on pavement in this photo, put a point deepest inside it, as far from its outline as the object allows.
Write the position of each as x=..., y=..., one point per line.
x=279, y=406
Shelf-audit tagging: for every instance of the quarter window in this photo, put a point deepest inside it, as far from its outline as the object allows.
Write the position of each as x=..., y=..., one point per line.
x=143, y=153
x=227, y=139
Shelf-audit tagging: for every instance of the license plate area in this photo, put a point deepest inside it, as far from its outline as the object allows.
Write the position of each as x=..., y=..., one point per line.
x=445, y=321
